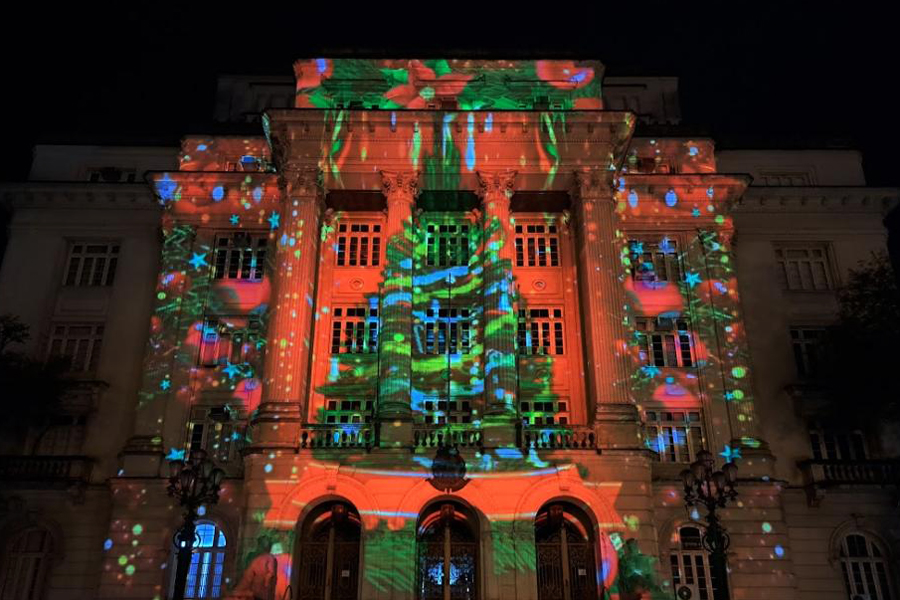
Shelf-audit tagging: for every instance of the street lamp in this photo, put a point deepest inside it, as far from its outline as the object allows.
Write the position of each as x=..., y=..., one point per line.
x=712, y=489
x=194, y=483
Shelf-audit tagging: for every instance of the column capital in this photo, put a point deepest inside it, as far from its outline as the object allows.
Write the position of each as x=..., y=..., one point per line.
x=301, y=179
x=400, y=185
x=493, y=185
x=591, y=183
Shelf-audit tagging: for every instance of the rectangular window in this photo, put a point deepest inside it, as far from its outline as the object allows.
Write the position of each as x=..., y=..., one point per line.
x=810, y=351
x=446, y=245
x=448, y=331
x=349, y=410
x=92, y=264
x=439, y=411
x=540, y=331
x=240, y=256
x=544, y=411
x=655, y=260
x=228, y=340
x=358, y=245
x=217, y=430
x=537, y=245
x=80, y=344
x=804, y=267
x=829, y=444
x=676, y=435
x=354, y=330
x=665, y=342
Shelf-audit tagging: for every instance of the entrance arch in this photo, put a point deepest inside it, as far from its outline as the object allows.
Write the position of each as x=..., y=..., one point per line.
x=329, y=553
x=565, y=553
x=448, y=558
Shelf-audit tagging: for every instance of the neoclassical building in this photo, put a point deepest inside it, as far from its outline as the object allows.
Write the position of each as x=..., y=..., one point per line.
x=453, y=328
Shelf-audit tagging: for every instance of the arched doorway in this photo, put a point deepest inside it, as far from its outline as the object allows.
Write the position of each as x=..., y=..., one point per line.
x=328, y=561
x=564, y=552
x=447, y=553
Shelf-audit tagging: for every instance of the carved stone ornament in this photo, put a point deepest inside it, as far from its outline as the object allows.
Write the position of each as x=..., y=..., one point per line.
x=403, y=185
x=494, y=184
x=593, y=183
x=448, y=470
x=301, y=179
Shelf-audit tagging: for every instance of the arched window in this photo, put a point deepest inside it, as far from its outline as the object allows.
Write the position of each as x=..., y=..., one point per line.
x=329, y=553
x=691, y=568
x=864, y=568
x=204, y=578
x=26, y=565
x=566, y=561
x=448, y=553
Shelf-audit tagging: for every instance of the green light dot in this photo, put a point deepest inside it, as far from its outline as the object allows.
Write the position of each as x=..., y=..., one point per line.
x=398, y=337
x=123, y=560
x=137, y=530
x=720, y=219
x=767, y=527
x=161, y=296
x=724, y=259
x=739, y=372
x=129, y=570
x=738, y=395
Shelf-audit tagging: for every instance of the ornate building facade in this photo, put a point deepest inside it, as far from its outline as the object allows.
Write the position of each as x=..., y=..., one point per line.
x=453, y=329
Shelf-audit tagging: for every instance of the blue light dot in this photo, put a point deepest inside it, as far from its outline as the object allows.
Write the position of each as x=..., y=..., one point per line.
x=779, y=551
x=201, y=510
x=268, y=468
x=671, y=198
x=218, y=193
x=107, y=544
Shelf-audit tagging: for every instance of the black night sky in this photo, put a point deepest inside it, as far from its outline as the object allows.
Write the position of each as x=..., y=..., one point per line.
x=781, y=75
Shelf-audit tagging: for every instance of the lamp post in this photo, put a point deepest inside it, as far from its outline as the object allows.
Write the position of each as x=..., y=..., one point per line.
x=193, y=483
x=713, y=489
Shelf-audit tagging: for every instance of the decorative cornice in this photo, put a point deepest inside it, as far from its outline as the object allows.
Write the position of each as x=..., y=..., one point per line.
x=592, y=183
x=496, y=184
x=301, y=179
x=818, y=199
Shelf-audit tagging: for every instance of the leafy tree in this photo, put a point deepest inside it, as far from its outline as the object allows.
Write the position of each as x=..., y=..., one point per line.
x=32, y=389
x=864, y=378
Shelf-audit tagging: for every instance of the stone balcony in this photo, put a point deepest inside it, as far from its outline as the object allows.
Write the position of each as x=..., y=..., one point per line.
x=356, y=436
x=558, y=437
x=819, y=475
x=40, y=472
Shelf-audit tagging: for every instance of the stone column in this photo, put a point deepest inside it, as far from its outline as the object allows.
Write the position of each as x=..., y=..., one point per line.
x=500, y=322
x=603, y=309
x=395, y=340
x=291, y=309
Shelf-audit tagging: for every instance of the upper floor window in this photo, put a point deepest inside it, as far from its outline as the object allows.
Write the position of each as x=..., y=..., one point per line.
x=79, y=343
x=439, y=411
x=26, y=565
x=540, y=331
x=446, y=244
x=217, y=430
x=349, y=410
x=539, y=410
x=92, y=263
x=358, y=244
x=206, y=572
x=655, y=260
x=240, y=256
x=228, y=340
x=804, y=267
x=810, y=350
x=829, y=444
x=676, y=435
x=691, y=568
x=665, y=342
x=448, y=331
x=537, y=245
x=864, y=568
x=354, y=330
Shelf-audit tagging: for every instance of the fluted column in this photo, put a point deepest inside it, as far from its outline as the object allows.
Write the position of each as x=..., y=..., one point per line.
x=292, y=306
x=603, y=308
x=395, y=343
x=500, y=381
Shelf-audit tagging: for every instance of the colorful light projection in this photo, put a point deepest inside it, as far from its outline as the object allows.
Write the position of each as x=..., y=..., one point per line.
x=225, y=185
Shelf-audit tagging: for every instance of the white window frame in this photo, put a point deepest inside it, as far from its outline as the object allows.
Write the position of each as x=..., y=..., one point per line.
x=354, y=330
x=206, y=576
x=674, y=440
x=661, y=255
x=245, y=250
x=809, y=351
x=31, y=568
x=695, y=570
x=358, y=243
x=94, y=268
x=227, y=339
x=538, y=242
x=538, y=335
x=212, y=428
x=667, y=343
x=830, y=444
x=61, y=339
x=866, y=576
x=811, y=273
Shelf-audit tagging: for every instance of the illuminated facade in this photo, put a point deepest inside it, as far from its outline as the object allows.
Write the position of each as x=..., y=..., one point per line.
x=453, y=329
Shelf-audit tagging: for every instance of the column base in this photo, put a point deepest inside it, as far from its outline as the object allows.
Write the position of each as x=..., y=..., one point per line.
x=395, y=432
x=276, y=426
x=618, y=427
x=143, y=456
x=499, y=430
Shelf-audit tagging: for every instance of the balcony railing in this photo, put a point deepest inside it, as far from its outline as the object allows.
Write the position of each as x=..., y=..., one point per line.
x=545, y=437
x=437, y=436
x=43, y=471
x=351, y=436
x=852, y=472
